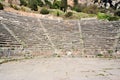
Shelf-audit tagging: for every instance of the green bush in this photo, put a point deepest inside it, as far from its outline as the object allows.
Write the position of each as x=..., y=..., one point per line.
x=91, y=9
x=58, y=14
x=56, y=5
x=40, y=3
x=100, y=55
x=33, y=5
x=79, y=7
x=23, y=2
x=117, y=13
x=68, y=14
x=110, y=51
x=16, y=7
x=1, y=7
x=48, y=3
x=44, y=11
x=26, y=9
x=113, y=18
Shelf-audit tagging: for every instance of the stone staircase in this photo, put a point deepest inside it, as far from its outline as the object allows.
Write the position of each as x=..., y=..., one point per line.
x=99, y=36
x=7, y=42
x=44, y=36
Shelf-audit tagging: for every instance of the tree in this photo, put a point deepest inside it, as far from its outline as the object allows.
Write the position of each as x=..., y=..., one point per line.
x=64, y=5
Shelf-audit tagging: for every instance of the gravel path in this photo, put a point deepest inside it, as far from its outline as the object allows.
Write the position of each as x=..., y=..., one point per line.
x=61, y=69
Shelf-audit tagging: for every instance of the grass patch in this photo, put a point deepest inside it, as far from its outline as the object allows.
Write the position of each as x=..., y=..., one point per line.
x=101, y=74
x=44, y=11
x=105, y=16
x=75, y=15
x=8, y=60
x=56, y=12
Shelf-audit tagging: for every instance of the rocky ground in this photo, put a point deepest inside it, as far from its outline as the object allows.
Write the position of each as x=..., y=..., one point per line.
x=61, y=69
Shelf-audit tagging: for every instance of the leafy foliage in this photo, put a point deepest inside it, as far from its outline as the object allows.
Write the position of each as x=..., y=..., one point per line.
x=26, y=9
x=48, y=3
x=68, y=14
x=117, y=13
x=16, y=7
x=44, y=11
x=107, y=17
x=113, y=18
x=99, y=55
x=79, y=7
x=56, y=5
x=23, y=2
x=33, y=5
x=1, y=7
x=40, y=3
x=102, y=16
x=91, y=9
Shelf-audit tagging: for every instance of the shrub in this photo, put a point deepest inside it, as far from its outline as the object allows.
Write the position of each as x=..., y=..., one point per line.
x=23, y=2
x=117, y=13
x=33, y=5
x=16, y=7
x=79, y=7
x=113, y=18
x=58, y=14
x=100, y=55
x=56, y=5
x=44, y=11
x=1, y=7
x=91, y=9
x=48, y=3
x=68, y=14
x=110, y=51
x=40, y=3
x=23, y=8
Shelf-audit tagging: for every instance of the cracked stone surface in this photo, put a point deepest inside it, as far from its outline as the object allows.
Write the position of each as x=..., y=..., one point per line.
x=61, y=69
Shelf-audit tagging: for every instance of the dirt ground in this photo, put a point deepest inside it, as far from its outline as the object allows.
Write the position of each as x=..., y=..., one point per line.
x=61, y=69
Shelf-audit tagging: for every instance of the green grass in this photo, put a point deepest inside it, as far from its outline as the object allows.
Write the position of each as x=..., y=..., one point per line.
x=55, y=12
x=109, y=17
